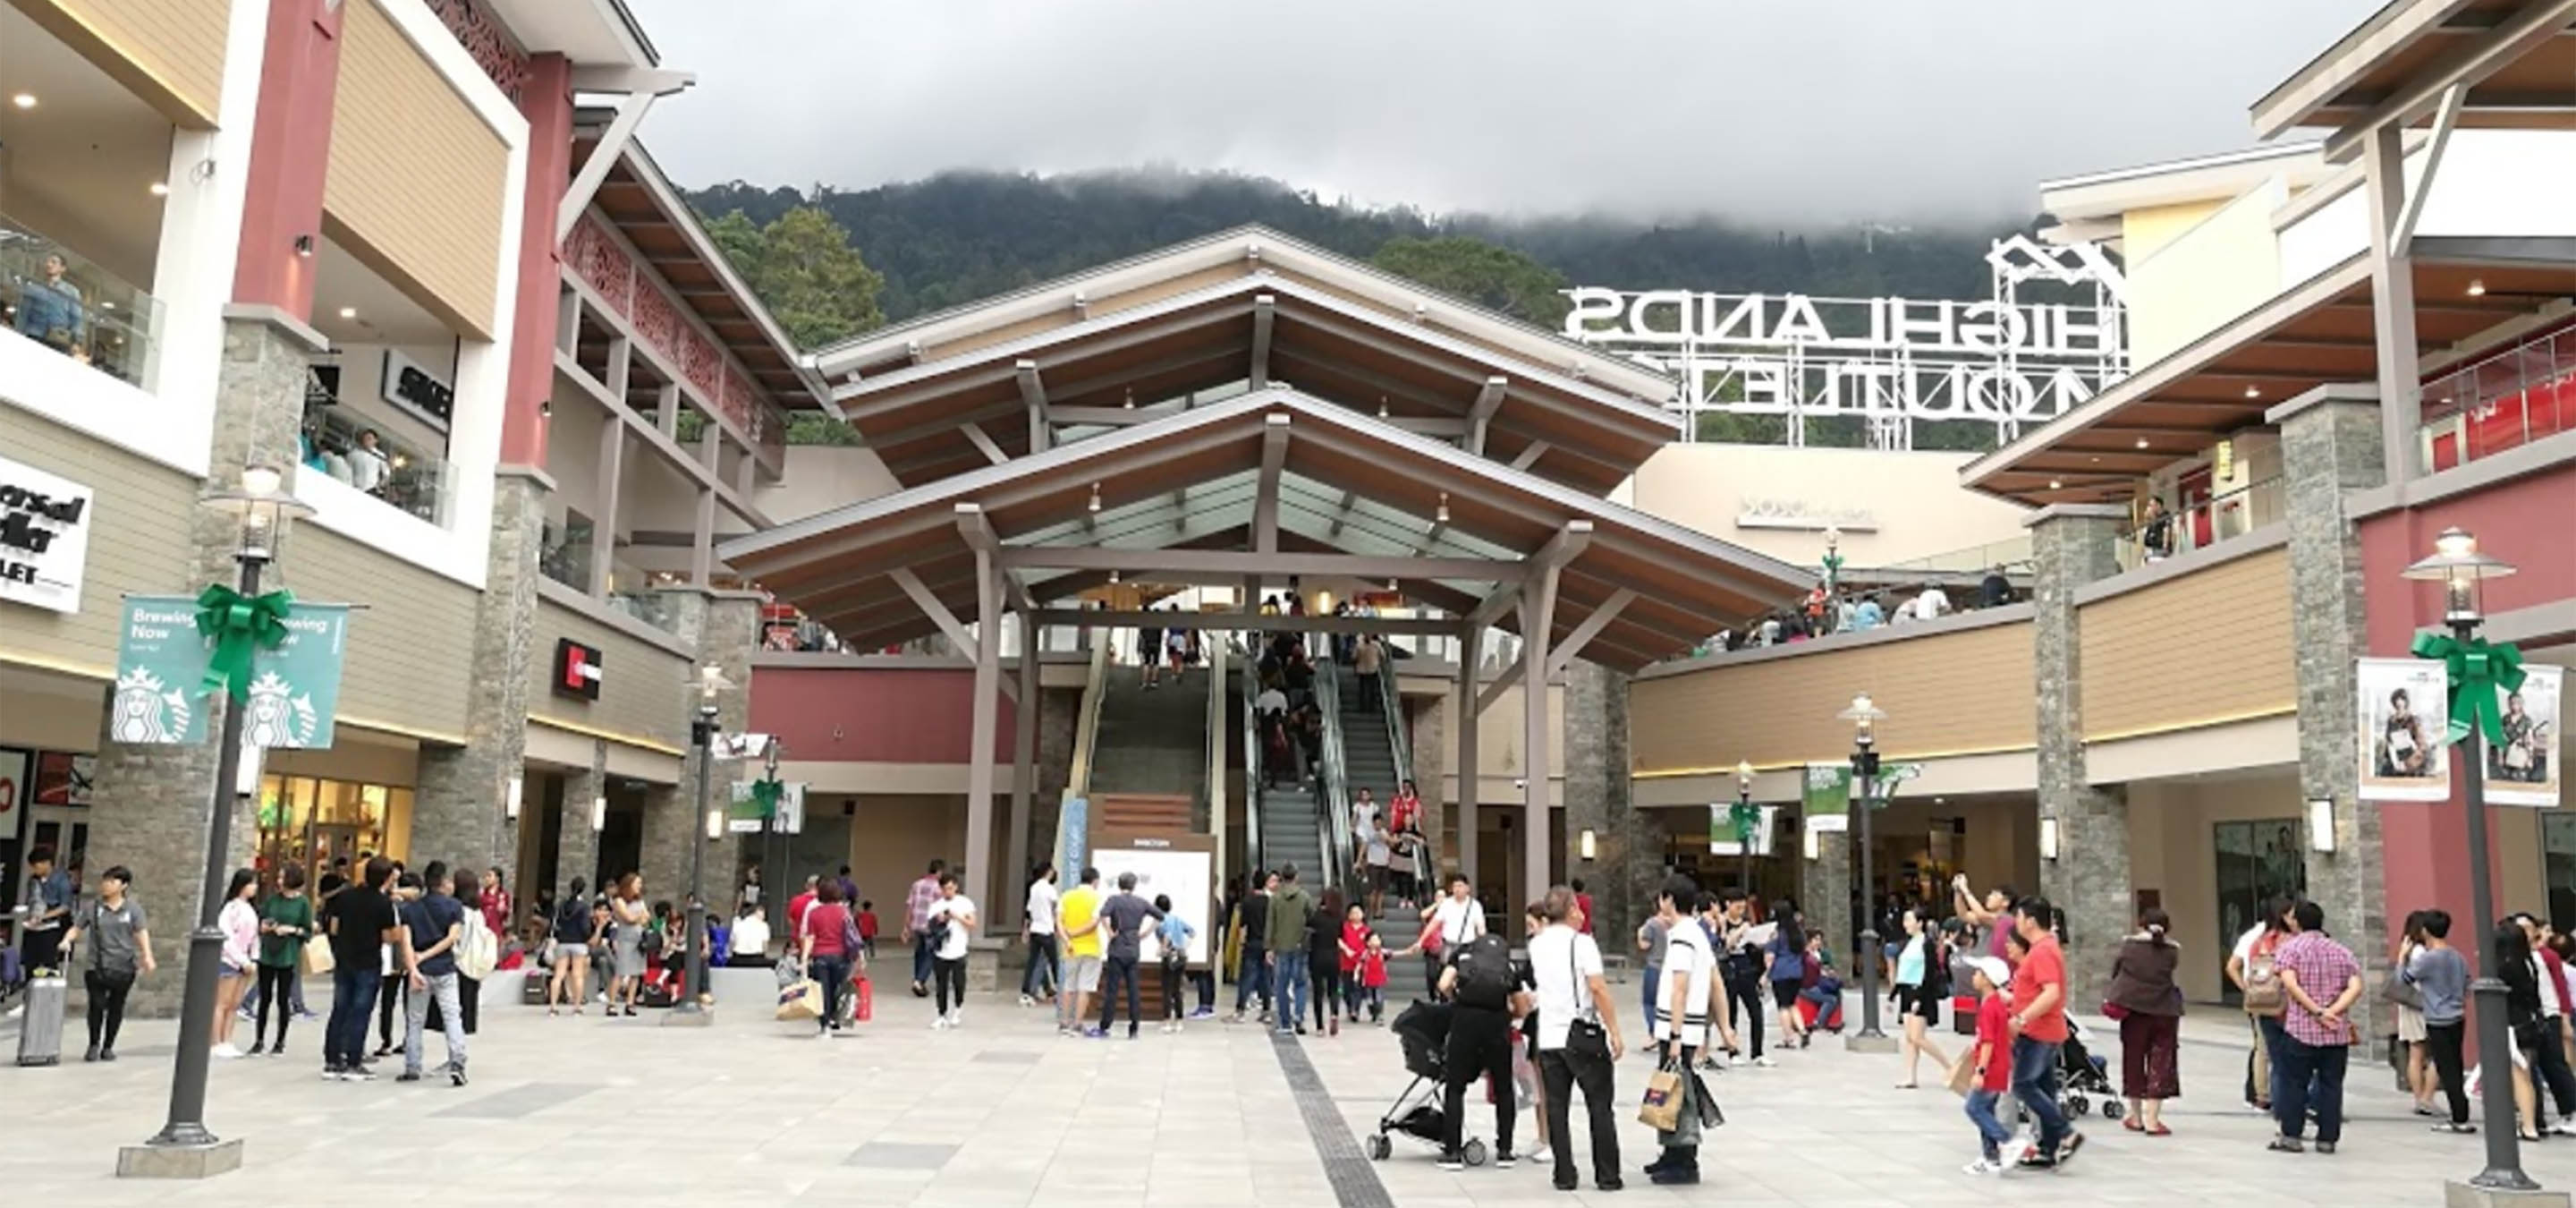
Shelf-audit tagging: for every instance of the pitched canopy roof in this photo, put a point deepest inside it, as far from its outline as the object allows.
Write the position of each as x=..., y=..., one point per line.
x=1182, y=498
x=2316, y=333
x=944, y=393
x=2515, y=61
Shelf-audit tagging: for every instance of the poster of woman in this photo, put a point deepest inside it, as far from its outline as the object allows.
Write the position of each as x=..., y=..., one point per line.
x=2523, y=769
x=2403, y=719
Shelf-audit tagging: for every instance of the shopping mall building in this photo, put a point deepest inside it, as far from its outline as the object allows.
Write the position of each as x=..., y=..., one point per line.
x=291, y=223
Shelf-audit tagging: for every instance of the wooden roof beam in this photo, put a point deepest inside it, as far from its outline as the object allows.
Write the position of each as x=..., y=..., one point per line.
x=1265, y=315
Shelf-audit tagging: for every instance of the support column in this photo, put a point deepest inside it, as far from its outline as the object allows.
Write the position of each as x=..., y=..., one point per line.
x=1024, y=775
x=1538, y=616
x=460, y=811
x=2330, y=446
x=723, y=627
x=545, y=99
x=2073, y=545
x=290, y=149
x=1628, y=847
x=577, y=846
x=603, y=526
x=1826, y=901
x=2392, y=301
x=1469, y=652
x=977, y=877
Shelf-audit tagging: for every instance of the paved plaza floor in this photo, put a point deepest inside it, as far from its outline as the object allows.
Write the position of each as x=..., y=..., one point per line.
x=1003, y=1114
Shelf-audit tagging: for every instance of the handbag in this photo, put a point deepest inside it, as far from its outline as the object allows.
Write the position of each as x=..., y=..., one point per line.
x=1662, y=1109
x=2114, y=1012
x=2402, y=992
x=317, y=959
x=1584, y=1036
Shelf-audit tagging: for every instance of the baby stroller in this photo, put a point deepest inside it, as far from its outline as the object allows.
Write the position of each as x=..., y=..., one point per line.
x=1423, y=1030
x=2083, y=1079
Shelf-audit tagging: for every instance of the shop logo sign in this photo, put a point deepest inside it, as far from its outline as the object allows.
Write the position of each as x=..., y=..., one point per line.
x=44, y=537
x=161, y=669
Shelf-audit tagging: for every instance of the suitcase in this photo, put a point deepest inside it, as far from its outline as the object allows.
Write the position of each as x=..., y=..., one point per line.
x=40, y=1037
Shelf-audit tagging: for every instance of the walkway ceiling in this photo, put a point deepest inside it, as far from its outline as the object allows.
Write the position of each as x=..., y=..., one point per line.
x=1181, y=499
x=2514, y=61
x=2316, y=333
x=1241, y=311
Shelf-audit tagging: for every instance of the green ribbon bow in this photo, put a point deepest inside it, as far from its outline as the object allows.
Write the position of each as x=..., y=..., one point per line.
x=1833, y=564
x=2478, y=670
x=765, y=793
x=1746, y=816
x=238, y=624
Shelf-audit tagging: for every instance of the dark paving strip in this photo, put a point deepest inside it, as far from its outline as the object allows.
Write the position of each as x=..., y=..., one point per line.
x=1354, y=1179
x=518, y=1101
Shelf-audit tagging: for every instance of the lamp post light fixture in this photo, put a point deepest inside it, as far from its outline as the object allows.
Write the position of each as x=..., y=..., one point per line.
x=690, y=1008
x=2456, y=564
x=1865, y=716
x=1744, y=837
x=261, y=510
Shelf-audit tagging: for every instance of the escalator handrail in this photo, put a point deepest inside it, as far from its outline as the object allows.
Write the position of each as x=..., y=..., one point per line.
x=1333, y=790
x=1252, y=754
x=1398, y=743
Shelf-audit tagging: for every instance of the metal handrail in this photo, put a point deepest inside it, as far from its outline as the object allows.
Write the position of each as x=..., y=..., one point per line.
x=1252, y=755
x=1398, y=741
x=1086, y=728
x=1332, y=785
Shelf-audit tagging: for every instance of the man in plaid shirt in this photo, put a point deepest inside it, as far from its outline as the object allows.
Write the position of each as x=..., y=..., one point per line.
x=2321, y=980
x=916, y=923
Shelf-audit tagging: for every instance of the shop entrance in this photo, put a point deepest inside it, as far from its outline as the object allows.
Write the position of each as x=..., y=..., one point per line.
x=2258, y=859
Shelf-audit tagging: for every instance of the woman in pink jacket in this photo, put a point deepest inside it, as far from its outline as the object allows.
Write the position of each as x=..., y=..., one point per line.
x=239, y=922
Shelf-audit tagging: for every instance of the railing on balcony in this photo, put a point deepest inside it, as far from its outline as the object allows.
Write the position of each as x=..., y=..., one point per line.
x=565, y=555
x=359, y=454
x=2216, y=520
x=53, y=295
x=2502, y=402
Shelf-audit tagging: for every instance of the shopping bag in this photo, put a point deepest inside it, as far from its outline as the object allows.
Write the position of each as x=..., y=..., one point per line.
x=317, y=959
x=1963, y=1074
x=804, y=1000
x=864, y=997
x=1662, y=1110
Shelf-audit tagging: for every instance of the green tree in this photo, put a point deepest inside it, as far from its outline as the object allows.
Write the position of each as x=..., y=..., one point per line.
x=1486, y=274
x=805, y=271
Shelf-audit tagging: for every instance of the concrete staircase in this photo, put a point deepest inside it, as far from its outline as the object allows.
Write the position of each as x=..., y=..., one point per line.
x=1152, y=740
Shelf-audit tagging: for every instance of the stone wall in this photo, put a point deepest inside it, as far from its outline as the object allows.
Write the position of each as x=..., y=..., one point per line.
x=459, y=810
x=1627, y=850
x=2328, y=449
x=577, y=846
x=2074, y=545
x=1432, y=751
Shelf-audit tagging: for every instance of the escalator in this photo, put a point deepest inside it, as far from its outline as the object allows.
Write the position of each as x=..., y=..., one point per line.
x=1368, y=724
x=1152, y=740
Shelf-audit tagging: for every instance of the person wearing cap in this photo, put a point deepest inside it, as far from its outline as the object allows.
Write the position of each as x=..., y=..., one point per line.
x=1991, y=1058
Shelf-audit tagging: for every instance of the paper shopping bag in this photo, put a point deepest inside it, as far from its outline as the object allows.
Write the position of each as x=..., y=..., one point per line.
x=1662, y=1110
x=1963, y=1074
x=804, y=1000
x=317, y=959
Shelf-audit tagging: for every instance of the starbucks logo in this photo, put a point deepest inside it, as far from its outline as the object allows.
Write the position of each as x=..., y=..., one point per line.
x=147, y=710
x=276, y=716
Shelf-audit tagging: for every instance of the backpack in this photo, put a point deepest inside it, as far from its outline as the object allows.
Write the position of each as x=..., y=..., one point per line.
x=477, y=950
x=2263, y=992
x=1485, y=973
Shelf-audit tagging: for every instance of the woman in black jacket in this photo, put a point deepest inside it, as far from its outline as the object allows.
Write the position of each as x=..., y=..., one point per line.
x=2522, y=1013
x=1324, y=960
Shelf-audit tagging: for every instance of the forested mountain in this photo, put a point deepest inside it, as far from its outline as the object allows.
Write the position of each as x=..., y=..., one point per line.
x=962, y=236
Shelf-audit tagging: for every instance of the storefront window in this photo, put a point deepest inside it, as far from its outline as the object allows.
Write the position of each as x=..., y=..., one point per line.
x=2558, y=856
x=312, y=822
x=2257, y=861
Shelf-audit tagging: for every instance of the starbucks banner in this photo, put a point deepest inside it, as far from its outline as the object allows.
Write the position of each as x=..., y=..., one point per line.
x=161, y=693
x=780, y=808
x=1828, y=792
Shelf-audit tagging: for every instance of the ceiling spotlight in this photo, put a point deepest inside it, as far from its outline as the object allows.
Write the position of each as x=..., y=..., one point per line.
x=1113, y=576
x=2477, y=286
x=348, y=312
x=1381, y=406
x=1391, y=586
x=1442, y=515
x=2142, y=442
x=159, y=189
x=2097, y=461
x=1131, y=399
x=2056, y=485
x=304, y=246
x=545, y=408
x=24, y=100
x=107, y=305
x=1095, y=497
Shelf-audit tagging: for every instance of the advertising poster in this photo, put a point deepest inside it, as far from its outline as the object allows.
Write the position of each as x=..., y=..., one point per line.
x=1721, y=829
x=1183, y=875
x=63, y=777
x=161, y=668
x=2524, y=769
x=1826, y=797
x=2404, y=718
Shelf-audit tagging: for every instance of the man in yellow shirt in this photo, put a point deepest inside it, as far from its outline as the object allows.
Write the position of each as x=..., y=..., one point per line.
x=1078, y=928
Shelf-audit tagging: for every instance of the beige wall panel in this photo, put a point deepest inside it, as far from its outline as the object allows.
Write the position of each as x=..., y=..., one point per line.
x=642, y=692
x=411, y=645
x=2207, y=647
x=138, y=542
x=170, y=52
x=1946, y=693
x=2173, y=850
x=416, y=178
x=892, y=838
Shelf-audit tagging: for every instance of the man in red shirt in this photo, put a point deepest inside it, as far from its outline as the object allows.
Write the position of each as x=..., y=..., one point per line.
x=2039, y=1027
x=796, y=907
x=1583, y=906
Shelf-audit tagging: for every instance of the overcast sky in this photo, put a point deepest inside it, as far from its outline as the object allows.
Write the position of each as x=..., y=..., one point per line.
x=1826, y=110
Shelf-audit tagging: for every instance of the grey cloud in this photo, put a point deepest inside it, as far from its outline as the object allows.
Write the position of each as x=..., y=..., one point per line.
x=1830, y=110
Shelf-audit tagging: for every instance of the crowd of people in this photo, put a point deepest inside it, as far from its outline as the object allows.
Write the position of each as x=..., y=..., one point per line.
x=1831, y=610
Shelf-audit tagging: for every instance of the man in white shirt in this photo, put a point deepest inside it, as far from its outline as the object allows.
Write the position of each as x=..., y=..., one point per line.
x=1447, y=925
x=948, y=923
x=1038, y=983
x=1693, y=999
x=1932, y=605
x=749, y=943
x=1578, y=1040
x=368, y=467
x=1271, y=703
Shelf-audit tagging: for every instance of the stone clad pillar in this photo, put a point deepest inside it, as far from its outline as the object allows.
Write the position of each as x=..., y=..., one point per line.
x=2073, y=545
x=2330, y=446
x=460, y=810
x=151, y=805
x=1628, y=848
x=1826, y=901
x=577, y=846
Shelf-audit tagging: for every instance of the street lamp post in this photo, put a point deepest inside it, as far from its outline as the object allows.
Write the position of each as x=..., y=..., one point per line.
x=2458, y=566
x=702, y=735
x=1744, y=835
x=261, y=509
x=1864, y=717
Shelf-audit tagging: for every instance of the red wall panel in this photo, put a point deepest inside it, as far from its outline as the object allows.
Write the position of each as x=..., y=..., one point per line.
x=887, y=715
